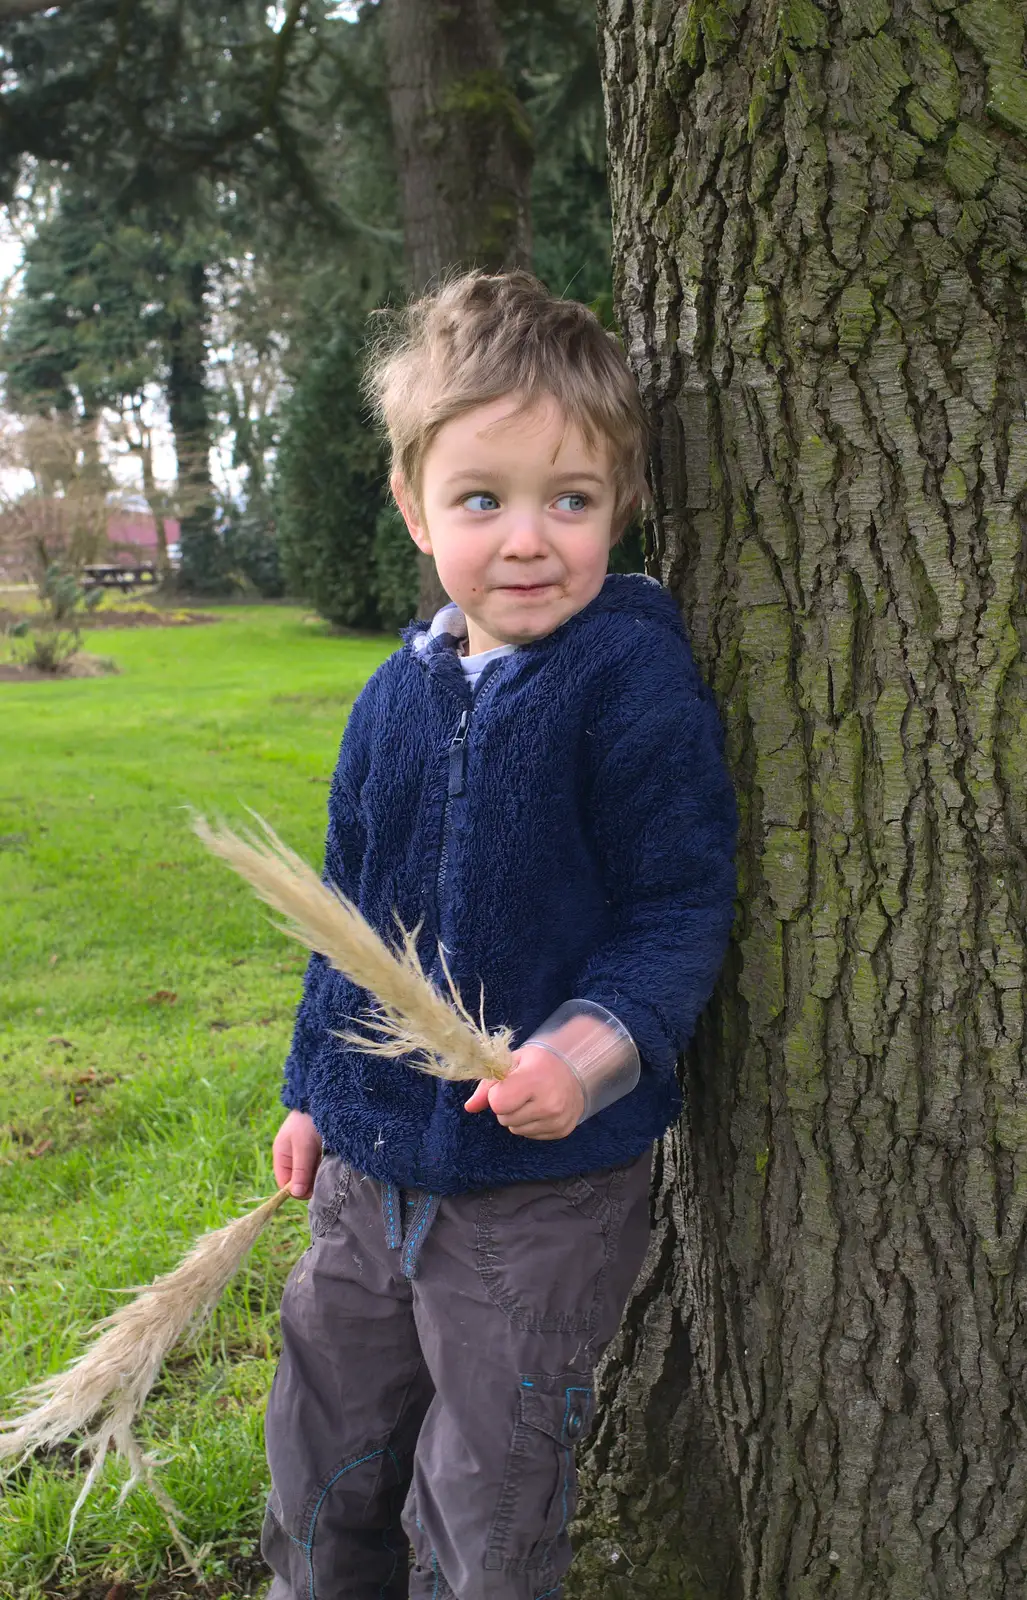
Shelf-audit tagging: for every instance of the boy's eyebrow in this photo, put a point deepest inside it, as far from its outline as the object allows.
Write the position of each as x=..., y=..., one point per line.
x=477, y=475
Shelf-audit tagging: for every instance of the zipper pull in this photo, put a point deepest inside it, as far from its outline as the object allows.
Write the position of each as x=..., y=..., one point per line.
x=458, y=756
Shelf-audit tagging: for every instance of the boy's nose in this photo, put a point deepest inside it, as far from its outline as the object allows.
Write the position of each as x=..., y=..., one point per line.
x=525, y=536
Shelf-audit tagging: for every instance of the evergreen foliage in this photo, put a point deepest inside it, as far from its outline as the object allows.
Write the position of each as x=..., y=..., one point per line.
x=395, y=569
x=249, y=544
x=114, y=305
x=147, y=96
x=93, y=311
x=330, y=488
x=551, y=59
x=191, y=119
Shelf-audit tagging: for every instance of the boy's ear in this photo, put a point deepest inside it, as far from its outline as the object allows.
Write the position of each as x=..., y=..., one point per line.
x=411, y=514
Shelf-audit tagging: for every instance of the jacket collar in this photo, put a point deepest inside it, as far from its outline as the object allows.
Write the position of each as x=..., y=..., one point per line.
x=436, y=645
x=436, y=648
x=446, y=631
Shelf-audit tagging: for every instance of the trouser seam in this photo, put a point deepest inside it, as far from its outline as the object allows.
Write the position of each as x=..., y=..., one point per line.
x=308, y=1544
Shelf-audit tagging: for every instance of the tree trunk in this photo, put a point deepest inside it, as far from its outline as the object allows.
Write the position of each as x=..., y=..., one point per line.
x=201, y=564
x=464, y=151
x=154, y=497
x=820, y=254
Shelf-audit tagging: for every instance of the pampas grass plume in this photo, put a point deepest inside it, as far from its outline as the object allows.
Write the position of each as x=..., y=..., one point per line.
x=101, y=1394
x=411, y=1019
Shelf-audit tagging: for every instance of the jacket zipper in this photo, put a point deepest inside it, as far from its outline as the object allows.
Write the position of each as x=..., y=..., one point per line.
x=457, y=775
x=458, y=758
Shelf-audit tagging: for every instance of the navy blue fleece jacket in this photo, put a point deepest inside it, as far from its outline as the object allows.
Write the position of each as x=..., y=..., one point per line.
x=567, y=831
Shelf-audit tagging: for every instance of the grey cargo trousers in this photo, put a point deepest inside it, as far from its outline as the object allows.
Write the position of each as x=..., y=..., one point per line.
x=436, y=1374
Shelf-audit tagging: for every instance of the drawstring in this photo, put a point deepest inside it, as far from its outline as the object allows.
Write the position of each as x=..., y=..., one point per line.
x=417, y=1213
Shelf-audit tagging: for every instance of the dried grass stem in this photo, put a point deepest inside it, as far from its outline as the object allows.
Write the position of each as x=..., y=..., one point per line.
x=411, y=1019
x=102, y=1392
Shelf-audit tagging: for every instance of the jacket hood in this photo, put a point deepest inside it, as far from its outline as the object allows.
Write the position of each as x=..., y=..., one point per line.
x=632, y=594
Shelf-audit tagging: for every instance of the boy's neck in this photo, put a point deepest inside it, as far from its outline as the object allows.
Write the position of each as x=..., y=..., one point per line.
x=478, y=641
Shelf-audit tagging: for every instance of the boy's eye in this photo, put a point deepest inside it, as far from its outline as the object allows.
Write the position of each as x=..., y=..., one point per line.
x=572, y=502
x=481, y=502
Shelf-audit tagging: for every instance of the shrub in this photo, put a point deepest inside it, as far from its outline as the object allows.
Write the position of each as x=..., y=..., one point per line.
x=330, y=489
x=251, y=547
x=49, y=645
x=395, y=570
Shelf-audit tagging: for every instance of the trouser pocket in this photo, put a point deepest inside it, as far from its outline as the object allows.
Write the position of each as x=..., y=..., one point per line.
x=539, y=1490
x=543, y=1249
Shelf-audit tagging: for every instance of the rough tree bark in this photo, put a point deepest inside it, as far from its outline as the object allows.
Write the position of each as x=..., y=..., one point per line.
x=821, y=268
x=464, y=151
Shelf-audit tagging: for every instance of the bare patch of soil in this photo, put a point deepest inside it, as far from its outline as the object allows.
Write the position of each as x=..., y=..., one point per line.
x=247, y=1579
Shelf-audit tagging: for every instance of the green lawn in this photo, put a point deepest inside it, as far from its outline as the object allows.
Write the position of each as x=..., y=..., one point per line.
x=145, y=1009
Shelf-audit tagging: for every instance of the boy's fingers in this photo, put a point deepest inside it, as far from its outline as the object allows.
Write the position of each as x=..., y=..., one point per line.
x=281, y=1160
x=508, y=1096
x=296, y=1154
x=534, y=1130
x=301, y=1184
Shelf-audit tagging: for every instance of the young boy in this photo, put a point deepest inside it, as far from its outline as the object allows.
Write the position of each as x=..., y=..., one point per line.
x=536, y=781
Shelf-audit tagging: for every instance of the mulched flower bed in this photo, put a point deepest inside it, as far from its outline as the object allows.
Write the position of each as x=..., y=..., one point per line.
x=120, y=619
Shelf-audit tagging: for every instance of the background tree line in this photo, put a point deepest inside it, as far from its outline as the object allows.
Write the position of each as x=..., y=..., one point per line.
x=220, y=197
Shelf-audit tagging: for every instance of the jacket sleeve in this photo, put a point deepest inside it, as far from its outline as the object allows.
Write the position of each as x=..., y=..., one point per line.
x=664, y=823
x=329, y=998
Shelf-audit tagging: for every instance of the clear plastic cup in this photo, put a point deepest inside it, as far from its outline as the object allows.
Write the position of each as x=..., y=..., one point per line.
x=598, y=1049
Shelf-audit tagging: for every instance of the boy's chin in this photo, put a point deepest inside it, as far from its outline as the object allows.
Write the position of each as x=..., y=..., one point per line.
x=528, y=635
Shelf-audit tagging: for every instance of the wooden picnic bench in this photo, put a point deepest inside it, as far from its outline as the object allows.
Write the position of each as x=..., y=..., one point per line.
x=115, y=575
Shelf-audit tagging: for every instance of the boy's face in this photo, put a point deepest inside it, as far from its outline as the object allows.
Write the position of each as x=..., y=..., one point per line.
x=517, y=512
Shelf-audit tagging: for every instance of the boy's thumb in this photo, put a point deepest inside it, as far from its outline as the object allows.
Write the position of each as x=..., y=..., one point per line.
x=480, y=1098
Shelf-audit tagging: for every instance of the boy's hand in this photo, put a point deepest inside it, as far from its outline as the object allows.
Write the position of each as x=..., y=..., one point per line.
x=296, y=1154
x=539, y=1099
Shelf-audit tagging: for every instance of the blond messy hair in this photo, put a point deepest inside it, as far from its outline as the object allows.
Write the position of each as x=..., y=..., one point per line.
x=481, y=336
